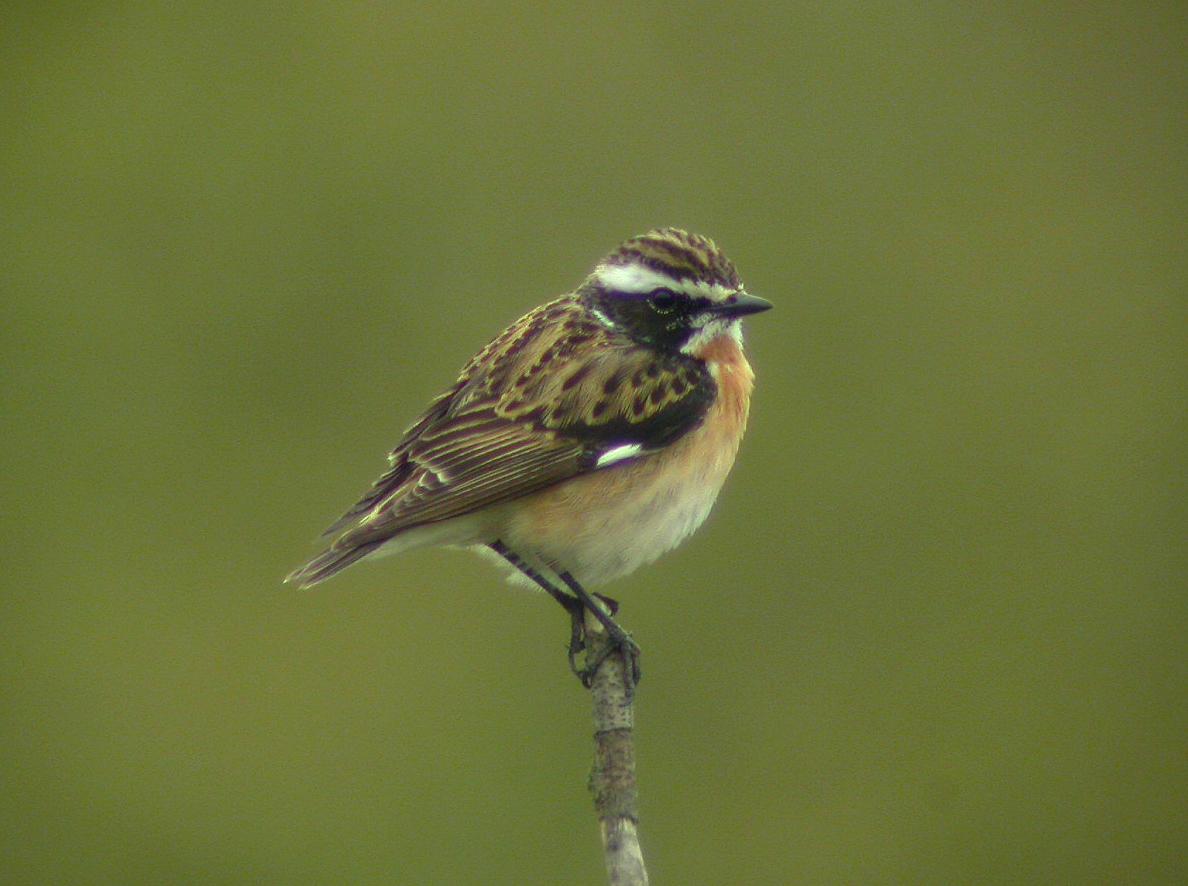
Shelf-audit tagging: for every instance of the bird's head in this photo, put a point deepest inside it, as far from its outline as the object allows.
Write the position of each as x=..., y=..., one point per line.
x=670, y=290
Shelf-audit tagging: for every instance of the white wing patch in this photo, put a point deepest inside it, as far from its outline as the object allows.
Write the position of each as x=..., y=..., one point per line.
x=618, y=453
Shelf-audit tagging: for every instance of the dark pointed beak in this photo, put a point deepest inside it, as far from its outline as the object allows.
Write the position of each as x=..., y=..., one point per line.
x=740, y=304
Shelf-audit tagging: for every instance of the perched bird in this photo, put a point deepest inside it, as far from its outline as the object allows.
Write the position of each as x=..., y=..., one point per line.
x=586, y=440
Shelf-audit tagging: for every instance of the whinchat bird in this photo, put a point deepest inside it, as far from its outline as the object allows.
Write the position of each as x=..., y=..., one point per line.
x=586, y=440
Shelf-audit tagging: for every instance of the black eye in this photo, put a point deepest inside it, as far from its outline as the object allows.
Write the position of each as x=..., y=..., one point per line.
x=663, y=301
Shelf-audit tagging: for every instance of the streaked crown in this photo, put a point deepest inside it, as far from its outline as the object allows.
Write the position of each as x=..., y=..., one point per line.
x=670, y=289
x=678, y=256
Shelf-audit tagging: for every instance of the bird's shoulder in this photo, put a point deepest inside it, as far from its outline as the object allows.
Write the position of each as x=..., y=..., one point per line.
x=557, y=394
x=570, y=374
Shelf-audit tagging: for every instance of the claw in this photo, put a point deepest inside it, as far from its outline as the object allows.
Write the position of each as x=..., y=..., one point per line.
x=622, y=644
x=611, y=603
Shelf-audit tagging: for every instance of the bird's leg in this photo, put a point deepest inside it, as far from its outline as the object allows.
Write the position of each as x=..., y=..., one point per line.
x=620, y=640
x=572, y=605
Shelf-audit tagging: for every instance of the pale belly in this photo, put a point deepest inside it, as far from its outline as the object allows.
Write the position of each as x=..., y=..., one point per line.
x=606, y=524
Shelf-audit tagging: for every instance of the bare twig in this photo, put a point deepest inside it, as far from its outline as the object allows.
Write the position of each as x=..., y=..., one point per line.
x=612, y=778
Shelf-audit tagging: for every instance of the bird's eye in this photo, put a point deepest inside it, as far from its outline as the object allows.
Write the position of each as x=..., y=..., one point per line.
x=663, y=301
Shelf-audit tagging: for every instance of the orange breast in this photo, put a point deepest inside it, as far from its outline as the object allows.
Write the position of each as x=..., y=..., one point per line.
x=609, y=522
x=735, y=380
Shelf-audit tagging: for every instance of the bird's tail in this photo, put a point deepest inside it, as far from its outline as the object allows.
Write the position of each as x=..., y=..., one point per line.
x=328, y=563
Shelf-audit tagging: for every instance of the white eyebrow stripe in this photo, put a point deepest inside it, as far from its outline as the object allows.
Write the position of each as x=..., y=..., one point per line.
x=618, y=453
x=638, y=279
x=633, y=278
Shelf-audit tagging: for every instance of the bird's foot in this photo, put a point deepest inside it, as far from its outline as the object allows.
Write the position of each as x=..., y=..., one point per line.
x=577, y=634
x=618, y=642
x=613, y=639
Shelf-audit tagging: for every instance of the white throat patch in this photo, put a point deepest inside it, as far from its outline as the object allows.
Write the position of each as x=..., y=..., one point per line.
x=714, y=327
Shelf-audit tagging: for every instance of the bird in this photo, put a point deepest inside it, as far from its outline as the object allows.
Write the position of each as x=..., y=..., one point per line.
x=584, y=441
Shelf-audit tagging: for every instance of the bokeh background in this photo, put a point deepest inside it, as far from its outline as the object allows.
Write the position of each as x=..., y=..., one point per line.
x=934, y=631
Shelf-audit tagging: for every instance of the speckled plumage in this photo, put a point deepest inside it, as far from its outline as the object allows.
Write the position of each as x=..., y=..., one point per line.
x=589, y=437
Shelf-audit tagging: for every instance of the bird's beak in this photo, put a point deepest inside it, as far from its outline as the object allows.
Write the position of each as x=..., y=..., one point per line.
x=740, y=304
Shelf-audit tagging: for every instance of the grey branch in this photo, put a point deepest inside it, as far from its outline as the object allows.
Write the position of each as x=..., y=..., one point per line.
x=612, y=778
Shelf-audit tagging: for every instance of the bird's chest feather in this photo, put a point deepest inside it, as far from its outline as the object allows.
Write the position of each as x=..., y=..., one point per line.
x=612, y=521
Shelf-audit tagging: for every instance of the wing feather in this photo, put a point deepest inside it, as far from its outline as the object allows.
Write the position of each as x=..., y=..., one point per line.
x=536, y=407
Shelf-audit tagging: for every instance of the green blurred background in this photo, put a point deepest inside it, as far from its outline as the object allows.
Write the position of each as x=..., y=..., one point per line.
x=935, y=630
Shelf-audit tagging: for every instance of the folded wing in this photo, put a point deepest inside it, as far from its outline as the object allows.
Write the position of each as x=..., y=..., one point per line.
x=521, y=419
